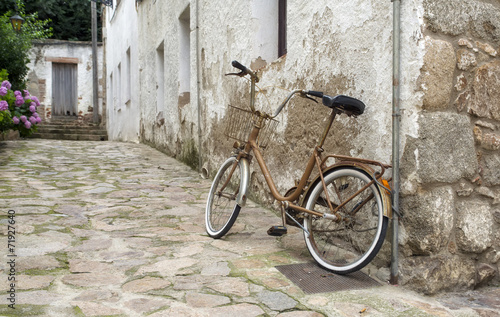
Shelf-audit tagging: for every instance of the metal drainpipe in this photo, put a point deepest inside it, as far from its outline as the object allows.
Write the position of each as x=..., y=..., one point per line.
x=198, y=83
x=396, y=117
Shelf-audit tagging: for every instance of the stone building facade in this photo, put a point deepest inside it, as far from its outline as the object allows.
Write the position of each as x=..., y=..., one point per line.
x=64, y=69
x=165, y=66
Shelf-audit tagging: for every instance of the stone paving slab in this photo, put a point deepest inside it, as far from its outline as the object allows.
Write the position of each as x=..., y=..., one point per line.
x=117, y=229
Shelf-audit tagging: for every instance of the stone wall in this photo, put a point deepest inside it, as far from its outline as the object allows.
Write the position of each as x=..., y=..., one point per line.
x=450, y=171
x=44, y=53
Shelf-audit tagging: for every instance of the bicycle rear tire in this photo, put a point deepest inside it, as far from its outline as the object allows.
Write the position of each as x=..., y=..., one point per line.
x=222, y=209
x=349, y=245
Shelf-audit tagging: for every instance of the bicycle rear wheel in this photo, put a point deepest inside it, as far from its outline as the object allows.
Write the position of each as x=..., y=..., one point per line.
x=222, y=210
x=346, y=246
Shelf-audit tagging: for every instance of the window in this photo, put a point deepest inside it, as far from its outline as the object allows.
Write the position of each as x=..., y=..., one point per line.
x=281, y=28
x=111, y=91
x=184, y=52
x=119, y=86
x=128, y=73
x=160, y=78
x=265, y=39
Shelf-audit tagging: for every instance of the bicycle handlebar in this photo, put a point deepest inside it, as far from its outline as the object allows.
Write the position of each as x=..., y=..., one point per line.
x=244, y=70
x=303, y=93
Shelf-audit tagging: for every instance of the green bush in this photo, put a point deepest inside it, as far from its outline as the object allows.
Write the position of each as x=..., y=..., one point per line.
x=14, y=48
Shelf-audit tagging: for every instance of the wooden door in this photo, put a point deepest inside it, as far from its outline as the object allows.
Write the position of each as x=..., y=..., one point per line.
x=64, y=89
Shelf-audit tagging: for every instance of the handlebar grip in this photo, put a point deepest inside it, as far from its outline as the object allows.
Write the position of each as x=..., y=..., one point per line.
x=237, y=64
x=315, y=93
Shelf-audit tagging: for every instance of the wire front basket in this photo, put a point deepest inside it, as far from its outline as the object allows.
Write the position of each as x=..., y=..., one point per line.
x=241, y=121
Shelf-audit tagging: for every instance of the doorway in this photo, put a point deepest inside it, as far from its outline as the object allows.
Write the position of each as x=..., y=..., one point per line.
x=64, y=89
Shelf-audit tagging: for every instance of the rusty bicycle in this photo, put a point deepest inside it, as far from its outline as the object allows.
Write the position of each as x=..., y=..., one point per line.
x=343, y=211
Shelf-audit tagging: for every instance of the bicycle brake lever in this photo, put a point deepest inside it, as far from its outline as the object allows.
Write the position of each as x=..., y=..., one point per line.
x=240, y=74
x=305, y=96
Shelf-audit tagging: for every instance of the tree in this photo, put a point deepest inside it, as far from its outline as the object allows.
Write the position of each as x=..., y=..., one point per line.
x=70, y=19
x=15, y=46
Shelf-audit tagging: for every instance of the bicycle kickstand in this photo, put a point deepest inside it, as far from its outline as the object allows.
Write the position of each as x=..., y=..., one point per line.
x=278, y=231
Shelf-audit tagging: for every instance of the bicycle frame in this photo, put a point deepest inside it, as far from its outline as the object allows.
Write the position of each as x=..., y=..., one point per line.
x=315, y=160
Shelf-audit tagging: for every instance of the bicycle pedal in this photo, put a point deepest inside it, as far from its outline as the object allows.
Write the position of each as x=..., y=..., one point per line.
x=277, y=231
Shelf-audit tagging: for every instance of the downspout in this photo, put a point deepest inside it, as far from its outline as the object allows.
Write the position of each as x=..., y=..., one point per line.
x=396, y=117
x=198, y=83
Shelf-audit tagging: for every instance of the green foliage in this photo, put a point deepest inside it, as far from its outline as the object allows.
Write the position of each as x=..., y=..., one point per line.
x=5, y=121
x=4, y=75
x=15, y=46
x=69, y=19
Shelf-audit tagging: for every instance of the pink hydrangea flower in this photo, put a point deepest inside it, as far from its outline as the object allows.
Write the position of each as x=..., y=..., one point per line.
x=38, y=119
x=23, y=118
x=4, y=105
x=32, y=120
x=26, y=94
x=35, y=100
x=35, y=114
x=27, y=124
x=32, y=108
x=6, y=84
x=3, y=91
x=19, y=101
x=17, y=93
x=15, y=120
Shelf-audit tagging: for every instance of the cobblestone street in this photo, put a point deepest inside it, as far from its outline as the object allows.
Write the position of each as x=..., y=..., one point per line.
x=117, y=229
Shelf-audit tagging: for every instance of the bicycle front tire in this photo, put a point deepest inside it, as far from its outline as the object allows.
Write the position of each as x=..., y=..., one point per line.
x=349, y=245
x=222, y=209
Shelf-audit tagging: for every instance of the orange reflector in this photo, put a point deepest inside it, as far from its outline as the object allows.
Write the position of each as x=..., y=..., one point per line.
x=386, y=184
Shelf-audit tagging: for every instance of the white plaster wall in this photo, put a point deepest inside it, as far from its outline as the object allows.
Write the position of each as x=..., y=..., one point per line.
x=122, y=98
x=335, y=47
x=40, y=63
x=338, y=48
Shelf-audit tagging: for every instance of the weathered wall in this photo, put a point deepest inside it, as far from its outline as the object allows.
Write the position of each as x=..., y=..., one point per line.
x=122, y=72
x=450, y=168
x=168, y=108
x=449, y=96
x=44, y=53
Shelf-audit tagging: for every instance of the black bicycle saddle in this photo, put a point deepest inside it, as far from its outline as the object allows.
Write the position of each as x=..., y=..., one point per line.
x=349, y=105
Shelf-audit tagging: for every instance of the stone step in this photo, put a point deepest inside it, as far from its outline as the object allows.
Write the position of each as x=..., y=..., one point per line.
x=69, y=125
x=65, y=129
x=64, y=118
x=70, y=136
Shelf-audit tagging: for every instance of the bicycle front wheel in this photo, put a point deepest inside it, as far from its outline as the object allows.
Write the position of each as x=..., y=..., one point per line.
x=346, y=246
x=222, y=210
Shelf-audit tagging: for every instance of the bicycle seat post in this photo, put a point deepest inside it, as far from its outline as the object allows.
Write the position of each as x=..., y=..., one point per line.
x=327, y=128
x=252, y=94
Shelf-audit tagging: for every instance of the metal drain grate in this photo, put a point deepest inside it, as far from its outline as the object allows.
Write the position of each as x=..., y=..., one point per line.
x=313, y=279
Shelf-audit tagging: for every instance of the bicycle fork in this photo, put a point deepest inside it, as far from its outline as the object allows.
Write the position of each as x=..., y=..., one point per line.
x=241, y=195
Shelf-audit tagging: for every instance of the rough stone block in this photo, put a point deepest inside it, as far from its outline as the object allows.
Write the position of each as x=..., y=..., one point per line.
x=485, y=273
x=485, y=101
x=428, y=220
x=455, y=17
x=446, y=150
x=491, y=169
x=431, y=275
x=474, y=226
x=465, y=59
x=437, y=74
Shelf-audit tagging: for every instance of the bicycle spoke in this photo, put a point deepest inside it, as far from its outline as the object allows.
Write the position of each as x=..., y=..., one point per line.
x=346, y=245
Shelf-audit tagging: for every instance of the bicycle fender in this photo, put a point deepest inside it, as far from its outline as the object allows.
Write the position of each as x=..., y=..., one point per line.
x=386, y=198
x=241, y=199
